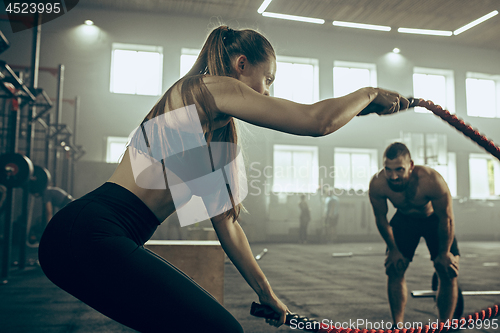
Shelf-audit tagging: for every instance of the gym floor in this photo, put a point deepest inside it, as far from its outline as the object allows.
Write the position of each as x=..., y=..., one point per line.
x=306, y=277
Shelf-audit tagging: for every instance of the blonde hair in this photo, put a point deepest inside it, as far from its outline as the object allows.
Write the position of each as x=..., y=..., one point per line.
x=219, y=49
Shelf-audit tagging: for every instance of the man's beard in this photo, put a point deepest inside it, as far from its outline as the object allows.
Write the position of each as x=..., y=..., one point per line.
x=399, y=187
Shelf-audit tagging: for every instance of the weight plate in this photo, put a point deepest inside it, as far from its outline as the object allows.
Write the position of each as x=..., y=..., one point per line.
x=15, y=169
x=40, y=180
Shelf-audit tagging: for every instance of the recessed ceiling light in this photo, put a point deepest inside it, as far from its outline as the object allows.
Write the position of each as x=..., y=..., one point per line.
x=89, y=22
x=361, y=26
x=294, y=18
x=396, y=50
x=425, y=32
x=264, y=6
x=476, y=22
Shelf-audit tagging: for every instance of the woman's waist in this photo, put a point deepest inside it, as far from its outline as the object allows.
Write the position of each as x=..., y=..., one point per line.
x=123, y=202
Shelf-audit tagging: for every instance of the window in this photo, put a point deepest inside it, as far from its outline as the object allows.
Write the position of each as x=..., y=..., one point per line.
x=351, y=76
x=449, y=173
x=484, y=176
x=115, y=147
x=188, y=58
x=295, y=169
x=297, y=79
x=354, y=168
x=136, y=69
x=483, y=95
x=436, y=85
x=431, y=149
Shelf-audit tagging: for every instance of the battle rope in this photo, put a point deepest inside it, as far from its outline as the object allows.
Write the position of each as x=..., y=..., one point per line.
x=312, y=325
x=460, y=125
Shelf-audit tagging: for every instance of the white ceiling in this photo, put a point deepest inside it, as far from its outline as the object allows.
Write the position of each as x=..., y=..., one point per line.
x=422, y=14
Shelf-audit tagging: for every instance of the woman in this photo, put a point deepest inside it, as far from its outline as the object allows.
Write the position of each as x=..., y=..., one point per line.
x=93, y=248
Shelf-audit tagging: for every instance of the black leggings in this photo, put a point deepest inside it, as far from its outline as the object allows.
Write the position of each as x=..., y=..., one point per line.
x=93, y=249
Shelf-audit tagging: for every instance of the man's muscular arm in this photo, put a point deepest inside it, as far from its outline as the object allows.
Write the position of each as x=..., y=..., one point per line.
x=395, y=259
x=380, y=209
x=442, y=203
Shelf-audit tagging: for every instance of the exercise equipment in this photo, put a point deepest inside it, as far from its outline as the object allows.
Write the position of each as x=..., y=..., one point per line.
x=359, y=254
x=459, y=125
x=313, y=325
x=264, y=311
x=39, y=181
x=459, y=307
x=260, y=255
x=4, y=43
x=432, y=293
x=15, y=170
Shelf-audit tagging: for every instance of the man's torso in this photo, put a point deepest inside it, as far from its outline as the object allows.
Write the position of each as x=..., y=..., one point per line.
x=414, y=200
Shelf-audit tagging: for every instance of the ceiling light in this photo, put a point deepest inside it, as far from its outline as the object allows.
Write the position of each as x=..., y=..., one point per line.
x=425, y=32
x=89, y=22
x=361, y=26
x=294, y=18
x=263, y=7
x=396, y=50
x=476, y=22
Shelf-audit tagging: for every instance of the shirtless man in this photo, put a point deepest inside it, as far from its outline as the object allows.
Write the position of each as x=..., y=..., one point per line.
x=424, y=209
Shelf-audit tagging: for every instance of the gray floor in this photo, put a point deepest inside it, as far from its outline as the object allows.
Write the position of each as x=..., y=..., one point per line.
x=306, y=277
x=313, y=283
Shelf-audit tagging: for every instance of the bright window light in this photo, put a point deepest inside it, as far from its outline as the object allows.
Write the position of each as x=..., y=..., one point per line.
x=115, y=148
x=483, y=95
x=297, y=79
x=436, y=85
x=430, y=87
x=295, y=169
x=361, y=26
x=425, y=32
x=475, y=22
x=351, y=76
x=354, y=168
x=136, y=69
x=484, y=176
x=293, y=18
x=449, y=173
x=188, y=58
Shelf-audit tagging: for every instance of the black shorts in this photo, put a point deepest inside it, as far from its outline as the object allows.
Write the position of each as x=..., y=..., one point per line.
x=408, y=230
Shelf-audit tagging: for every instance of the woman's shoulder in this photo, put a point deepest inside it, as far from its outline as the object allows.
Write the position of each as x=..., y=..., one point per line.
x=216, y=86
x=222, y=84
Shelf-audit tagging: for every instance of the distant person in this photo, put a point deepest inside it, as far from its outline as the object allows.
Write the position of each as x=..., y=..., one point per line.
x=305, y=218
x=332, y=204
x=54, y=199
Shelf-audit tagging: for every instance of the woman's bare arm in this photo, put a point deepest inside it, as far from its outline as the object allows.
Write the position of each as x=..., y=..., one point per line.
x=235, y=244
x=324, y=117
